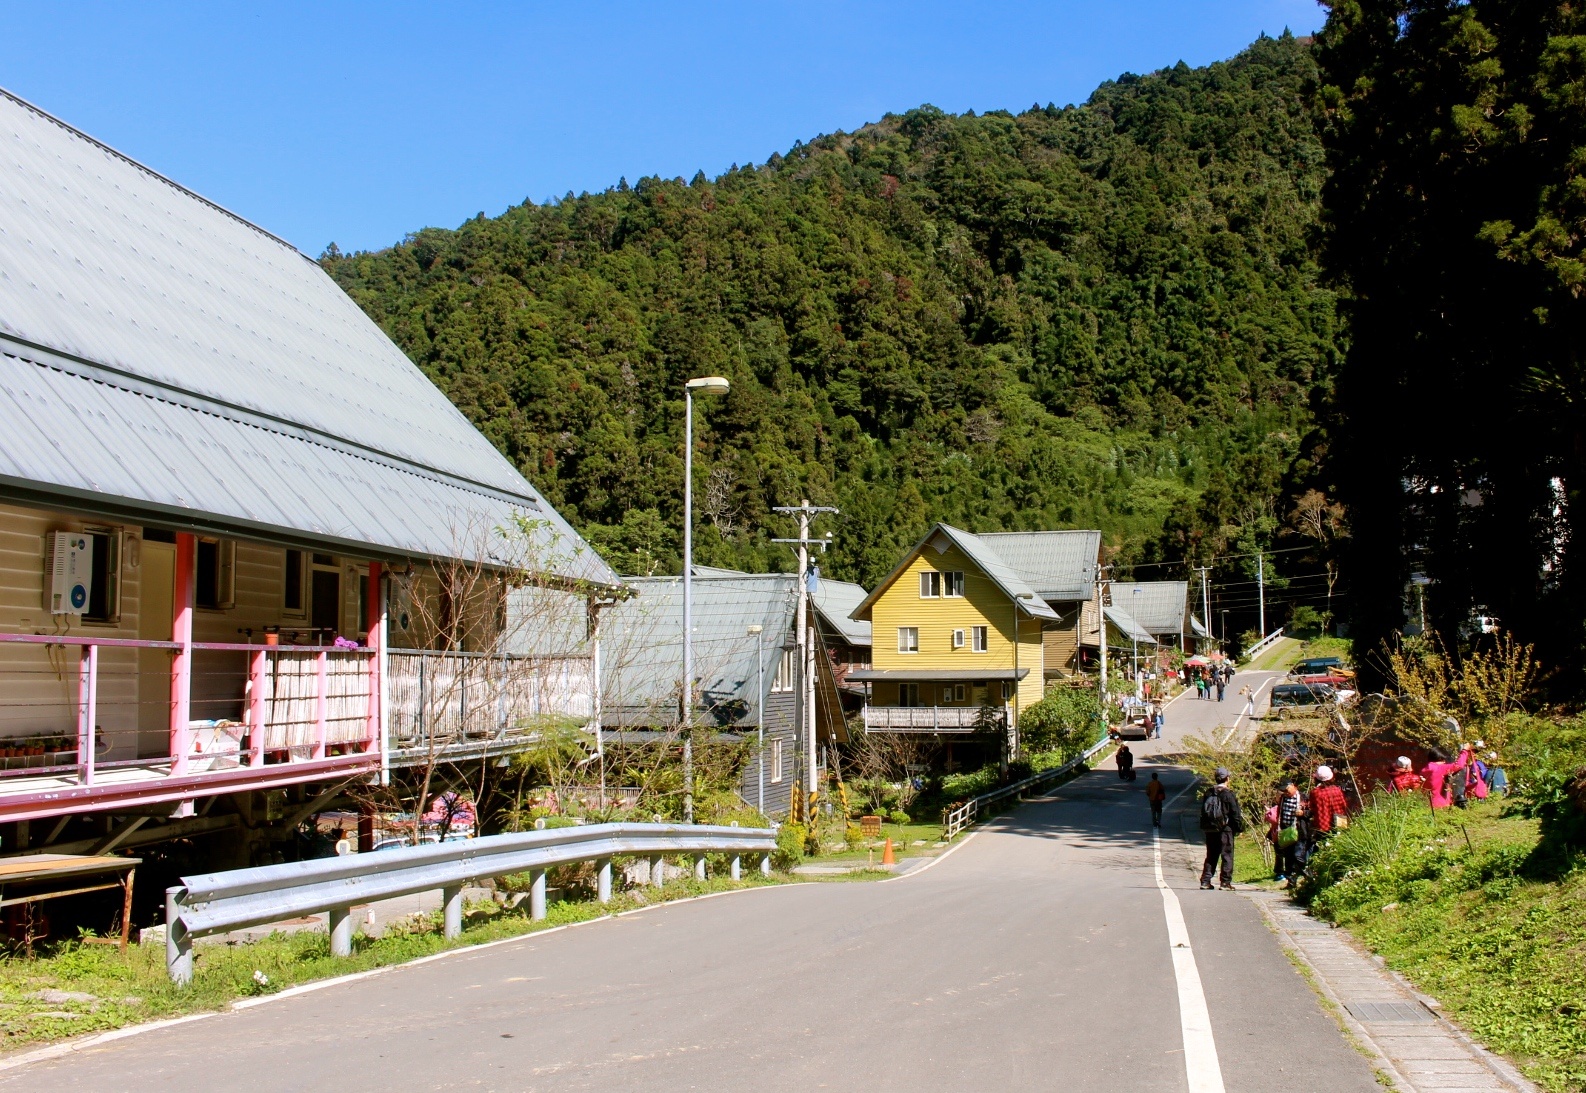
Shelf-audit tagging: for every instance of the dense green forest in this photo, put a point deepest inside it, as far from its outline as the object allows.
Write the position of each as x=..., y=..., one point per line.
x=1104, y=315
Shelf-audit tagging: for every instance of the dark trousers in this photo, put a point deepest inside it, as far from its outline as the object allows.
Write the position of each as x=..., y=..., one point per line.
x=1219, y=845
x=1290, y=860
x=1219, y=692
x=1156, y=813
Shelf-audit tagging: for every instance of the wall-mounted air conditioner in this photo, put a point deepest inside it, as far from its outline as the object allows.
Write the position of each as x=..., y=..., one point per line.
x=70, y=569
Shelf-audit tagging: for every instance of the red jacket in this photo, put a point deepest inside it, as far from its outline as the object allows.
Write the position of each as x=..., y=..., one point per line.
x=1407, y=781
x=1327, y=801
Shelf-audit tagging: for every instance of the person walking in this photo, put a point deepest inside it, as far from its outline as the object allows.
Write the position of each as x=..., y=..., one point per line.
x=1327, y=809
x=1221, y=821
x=1288, y=843
x=1125, y=763
x=1158, y=719
x=1250, y=701
x=1156, y=793
x=1200, y=685
x=1222, y=681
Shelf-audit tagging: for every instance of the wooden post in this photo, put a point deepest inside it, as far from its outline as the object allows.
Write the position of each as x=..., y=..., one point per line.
x=182, y=662
x=321, y=703
x=87, y=698
x=126, y=907
x=375, y=625
x=258, y=673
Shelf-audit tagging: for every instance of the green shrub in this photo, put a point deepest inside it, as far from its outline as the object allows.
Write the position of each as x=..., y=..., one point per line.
x=789, y=851
x=1067, y=720
x=898, y=816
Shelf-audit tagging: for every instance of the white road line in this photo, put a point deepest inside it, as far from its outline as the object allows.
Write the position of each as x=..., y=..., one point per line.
x=1201, y=1067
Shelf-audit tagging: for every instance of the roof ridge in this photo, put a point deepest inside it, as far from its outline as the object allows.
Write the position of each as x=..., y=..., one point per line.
x=150, y=171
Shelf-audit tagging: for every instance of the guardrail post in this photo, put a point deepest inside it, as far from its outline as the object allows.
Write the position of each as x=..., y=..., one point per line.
x=341, y=931
x=657, y=871
x=603, y=883
x=454, y=910
x=737, y=868
x=765, y=864
x=699, y=867
x=178, y=946
x=537, y=894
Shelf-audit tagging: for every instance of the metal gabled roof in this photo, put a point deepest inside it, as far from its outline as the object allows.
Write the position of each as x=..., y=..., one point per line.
x=1012, y=584
x=641, y=646
x=833, y=600
x=1158, y=606
x=179, y=363
x=1127, y=625
x=1060, y=565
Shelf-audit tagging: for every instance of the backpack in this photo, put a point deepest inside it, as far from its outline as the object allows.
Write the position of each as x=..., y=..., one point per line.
x=1456, y=787
x=1214, y=812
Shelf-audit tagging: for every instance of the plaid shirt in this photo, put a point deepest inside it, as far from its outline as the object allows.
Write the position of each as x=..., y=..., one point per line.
x=1327, y=801
x=1289, y=810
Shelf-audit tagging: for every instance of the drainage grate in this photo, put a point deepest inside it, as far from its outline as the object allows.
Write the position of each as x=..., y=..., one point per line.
x=1391, y=1012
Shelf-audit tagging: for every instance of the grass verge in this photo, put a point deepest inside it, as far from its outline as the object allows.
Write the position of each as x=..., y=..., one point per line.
x=115, y=990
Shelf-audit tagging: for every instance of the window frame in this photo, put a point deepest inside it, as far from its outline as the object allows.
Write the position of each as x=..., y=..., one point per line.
x=910, y=635
x=115, y=543
x=930, y=584
x=776, y=760
x=784, y=680
x=909, y=696
x=953, y=584
x=958, y=638
x=225, y=590
x=979, y=640
x=301, y=609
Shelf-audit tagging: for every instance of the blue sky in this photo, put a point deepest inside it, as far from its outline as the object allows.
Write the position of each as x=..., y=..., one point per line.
x=357, y=123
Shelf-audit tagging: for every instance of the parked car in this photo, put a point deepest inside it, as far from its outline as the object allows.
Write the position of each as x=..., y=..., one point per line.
x=1292, y=696
x=1315, y=666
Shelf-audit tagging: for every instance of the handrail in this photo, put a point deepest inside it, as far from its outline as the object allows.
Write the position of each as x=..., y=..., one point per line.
x=960, y=816
x=1263, y=645
x=73, y=639
x=212, y=903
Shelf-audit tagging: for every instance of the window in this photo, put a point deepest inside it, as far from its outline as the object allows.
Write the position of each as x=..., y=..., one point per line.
x=104, y=595
x=908, y=639
x=215, y=568
x=908, y=694
x=292, y=583
x=953, y=584
x=786, y=671
x=978, y=638
x=1007, y=691
x=958, y=692
x=776, y=760
x=958, y=639
x=930, y=584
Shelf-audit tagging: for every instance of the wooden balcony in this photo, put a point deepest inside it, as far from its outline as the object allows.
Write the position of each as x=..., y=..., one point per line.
x=935, y=719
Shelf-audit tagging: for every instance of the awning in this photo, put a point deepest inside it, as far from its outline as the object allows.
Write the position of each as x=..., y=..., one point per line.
x=912, y=675
x=1198, y=627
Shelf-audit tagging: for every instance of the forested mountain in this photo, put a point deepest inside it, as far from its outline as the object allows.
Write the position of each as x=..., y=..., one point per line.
x=1100, y=315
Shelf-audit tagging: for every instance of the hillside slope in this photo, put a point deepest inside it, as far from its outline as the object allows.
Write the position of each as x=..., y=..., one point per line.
x=1103, y=315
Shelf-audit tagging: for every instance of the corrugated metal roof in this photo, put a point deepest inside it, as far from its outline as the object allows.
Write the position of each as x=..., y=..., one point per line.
x=986, y=560
x=834, y=600
x=1158, y=606
x=1060, y=565
x=641, y=646
x=1128, y=626
x=222, y=373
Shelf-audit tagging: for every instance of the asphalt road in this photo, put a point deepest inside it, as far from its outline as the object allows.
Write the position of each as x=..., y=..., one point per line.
x=1035, y=956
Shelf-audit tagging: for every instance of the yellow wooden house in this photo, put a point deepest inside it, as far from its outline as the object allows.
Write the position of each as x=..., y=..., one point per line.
x=956, y=637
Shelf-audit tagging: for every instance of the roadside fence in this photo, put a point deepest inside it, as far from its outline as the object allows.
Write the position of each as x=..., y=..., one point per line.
x=1263, y=645
x=214, y=903
x=959, y=817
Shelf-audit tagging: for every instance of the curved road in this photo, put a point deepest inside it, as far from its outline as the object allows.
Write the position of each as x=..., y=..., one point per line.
x=1034, y=956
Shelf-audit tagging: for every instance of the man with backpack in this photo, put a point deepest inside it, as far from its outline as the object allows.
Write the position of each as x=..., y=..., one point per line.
x=1221, y=820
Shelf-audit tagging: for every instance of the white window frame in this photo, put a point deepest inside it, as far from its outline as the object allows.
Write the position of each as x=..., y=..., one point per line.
x=786, y=672
x=958, y=639
x=979, y=639
x=953, y=584
x=930, y=584
x=776, y=760
x=908, y=639
x=1007, y=691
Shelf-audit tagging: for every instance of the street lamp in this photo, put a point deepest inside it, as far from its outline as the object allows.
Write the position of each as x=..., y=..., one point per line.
x=759, y=710
x=704, y=385
x=1134, y=609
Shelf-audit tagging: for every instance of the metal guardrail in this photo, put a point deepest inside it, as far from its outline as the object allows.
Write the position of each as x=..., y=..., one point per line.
x=213, y=903
x=1263, y=645
x=959, y=817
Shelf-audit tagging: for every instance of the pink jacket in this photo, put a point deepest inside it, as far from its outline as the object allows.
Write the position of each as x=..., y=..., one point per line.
x=1437, y=779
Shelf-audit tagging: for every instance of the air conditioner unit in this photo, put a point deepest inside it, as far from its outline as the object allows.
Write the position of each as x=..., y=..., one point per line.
x=71, y=572
x=958, y=639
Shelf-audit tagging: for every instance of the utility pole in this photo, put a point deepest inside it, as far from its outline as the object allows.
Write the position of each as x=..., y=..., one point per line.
x=806, y=643
x=1101, y=630
x=1206, y=599
x=1261, y=589
x=759, y=716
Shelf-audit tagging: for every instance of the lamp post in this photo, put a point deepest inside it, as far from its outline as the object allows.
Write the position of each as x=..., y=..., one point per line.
x=759, y=712
x=704, y=385
x=1134, y=610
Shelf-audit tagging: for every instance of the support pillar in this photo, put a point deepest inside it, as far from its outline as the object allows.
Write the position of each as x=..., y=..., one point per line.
x=365, y=828
x=603, y=881
x=182, y=662
x=765, y=864
x=657, y=871
x=699, y=867
x=737, y=868
x=341, y=931
x=454, y=911
x=374, y=624
x=537, y=894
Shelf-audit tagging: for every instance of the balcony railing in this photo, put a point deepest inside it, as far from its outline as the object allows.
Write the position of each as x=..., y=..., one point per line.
x=954, y=719
x=448, y=702
x=203, y=718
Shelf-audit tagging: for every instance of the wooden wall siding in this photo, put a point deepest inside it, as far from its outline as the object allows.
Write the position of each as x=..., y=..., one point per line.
x=983, y=604
x=1060, y=642
x=780, y=711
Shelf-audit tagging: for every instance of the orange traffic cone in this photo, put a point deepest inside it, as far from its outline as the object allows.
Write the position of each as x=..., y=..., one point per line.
x=886, y=853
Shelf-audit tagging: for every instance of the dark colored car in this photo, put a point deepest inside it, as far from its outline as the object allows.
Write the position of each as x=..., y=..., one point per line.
x=1316, y=666
x=1287, y=696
